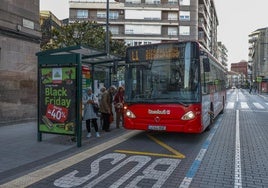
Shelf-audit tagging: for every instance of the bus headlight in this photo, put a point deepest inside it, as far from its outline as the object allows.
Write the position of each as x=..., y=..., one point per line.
x=188, y=116
x=130, y=114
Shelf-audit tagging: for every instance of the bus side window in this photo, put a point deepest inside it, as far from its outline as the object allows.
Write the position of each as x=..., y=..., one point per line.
x=206, y=65
x=204, y=77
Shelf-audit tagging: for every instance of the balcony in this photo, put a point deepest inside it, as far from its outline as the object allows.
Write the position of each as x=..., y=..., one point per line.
x=163, y=6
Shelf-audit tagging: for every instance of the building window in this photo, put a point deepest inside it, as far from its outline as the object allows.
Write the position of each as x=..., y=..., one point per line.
x=185, y=2
x=133, y=1
x=172, y=16
x=143, y=15
x=143, y=29
x=184, y=30
x=152, y=1
x=173, y=2
x=82, y=14
x=185, y=15
x=172, y=31
x=114, y=30
x=101, y=14
x=113, y=15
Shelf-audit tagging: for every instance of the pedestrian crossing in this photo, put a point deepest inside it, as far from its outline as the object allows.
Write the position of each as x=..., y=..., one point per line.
x=258, y=105
x=247, y=105
x=244, y=105
x=230, y=105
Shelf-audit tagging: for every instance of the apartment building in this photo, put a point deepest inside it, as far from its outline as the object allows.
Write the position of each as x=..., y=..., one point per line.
x=140, y=22
x=222, y=54
x=258, y=58
x=48, y=21
x=241, y=68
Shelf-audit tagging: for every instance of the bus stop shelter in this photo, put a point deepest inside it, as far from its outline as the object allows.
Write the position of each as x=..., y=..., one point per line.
x=62, y=75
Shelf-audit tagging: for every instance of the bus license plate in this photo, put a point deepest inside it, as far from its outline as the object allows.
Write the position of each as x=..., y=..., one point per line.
x=157, y=127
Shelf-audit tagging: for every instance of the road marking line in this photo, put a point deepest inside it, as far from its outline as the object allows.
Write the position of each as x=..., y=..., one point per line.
x=170, y=149
x=258, y=105
x=149, y=154
x=244, y=105
x=238, y=178
x=47, y=171
x=256, y=111
x=195, y=165
x=230, y=105
x=167, y=147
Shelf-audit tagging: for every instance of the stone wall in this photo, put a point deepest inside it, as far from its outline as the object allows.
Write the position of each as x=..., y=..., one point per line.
x=19, y=42
x=18, y=80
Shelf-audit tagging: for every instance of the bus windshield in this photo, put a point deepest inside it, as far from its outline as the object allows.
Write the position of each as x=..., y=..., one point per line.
x=164, y=78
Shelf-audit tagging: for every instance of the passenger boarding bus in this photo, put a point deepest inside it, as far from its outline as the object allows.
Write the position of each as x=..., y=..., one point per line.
x=172, y=87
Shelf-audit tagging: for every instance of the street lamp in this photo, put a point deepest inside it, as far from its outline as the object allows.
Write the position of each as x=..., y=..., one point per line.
x=107, y=28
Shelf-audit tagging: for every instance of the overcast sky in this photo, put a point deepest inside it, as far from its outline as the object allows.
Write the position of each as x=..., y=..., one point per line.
x=237, y=19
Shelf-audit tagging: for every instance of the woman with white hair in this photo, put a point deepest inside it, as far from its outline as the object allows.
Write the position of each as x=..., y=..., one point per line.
x=89, y=115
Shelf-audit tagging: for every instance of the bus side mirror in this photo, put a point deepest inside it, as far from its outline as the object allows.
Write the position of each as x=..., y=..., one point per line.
x=206, y=65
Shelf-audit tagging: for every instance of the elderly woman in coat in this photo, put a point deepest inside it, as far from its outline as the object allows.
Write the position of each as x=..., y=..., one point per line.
x=106, y=107
x=89, y=115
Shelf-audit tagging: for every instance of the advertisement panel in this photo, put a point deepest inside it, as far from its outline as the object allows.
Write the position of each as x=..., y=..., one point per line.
x=259, y=79
x=86, y=78
x=57, y=105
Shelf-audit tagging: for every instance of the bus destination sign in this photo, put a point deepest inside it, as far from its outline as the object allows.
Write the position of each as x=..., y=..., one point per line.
x=137, y=54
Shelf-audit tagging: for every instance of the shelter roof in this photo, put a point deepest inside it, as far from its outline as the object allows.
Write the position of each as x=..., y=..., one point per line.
x=88, y=55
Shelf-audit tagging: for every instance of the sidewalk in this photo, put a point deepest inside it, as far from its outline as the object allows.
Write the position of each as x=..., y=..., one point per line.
x=264, y=95
x=21, y=152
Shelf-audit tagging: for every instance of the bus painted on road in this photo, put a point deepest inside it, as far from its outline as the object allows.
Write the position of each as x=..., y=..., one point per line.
x=172, y=87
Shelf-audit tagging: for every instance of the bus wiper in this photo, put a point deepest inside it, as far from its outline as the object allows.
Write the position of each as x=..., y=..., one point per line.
x=138, y=101
x=182, y=103
x=178, y=101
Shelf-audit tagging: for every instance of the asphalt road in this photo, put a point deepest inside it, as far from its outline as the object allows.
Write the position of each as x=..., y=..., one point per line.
x=232, y=154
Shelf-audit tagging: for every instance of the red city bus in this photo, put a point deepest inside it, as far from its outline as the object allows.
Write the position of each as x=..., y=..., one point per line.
x=172, y=87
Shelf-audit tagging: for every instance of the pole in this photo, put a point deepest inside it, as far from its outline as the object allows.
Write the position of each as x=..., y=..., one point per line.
x=107, y=29
x=79, y=101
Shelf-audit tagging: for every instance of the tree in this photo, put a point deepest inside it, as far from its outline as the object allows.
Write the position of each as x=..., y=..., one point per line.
x=88, y=33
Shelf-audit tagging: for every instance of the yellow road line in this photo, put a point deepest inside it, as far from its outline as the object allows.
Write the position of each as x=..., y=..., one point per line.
x=148, y=153
x=49, y=170
x=170, y=149
x=175, y=152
